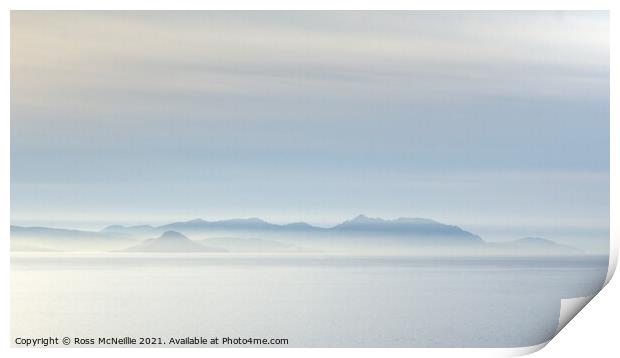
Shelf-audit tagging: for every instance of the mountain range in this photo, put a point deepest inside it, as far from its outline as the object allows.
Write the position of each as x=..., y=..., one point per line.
x=360, y=225
x=361, y=233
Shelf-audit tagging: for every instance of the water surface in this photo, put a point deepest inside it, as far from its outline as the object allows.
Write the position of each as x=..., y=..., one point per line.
x=312, y=300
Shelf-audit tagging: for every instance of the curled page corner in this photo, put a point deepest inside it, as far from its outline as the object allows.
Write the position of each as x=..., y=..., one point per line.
x=569, y=307
x=613, y=258
x=523, y=351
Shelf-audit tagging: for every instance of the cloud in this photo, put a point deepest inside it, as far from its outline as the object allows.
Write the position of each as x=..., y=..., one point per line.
x=92, y=56
x=112, y=105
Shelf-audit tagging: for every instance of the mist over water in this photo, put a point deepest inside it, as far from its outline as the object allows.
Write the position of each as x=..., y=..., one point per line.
x=314, y=300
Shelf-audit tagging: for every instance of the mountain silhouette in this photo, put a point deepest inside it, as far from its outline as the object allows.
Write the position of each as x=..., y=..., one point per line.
x=361, y=233
x=360, y=225
x=172, y=241
x=130, y=230
x=230, y=224
x=411, y=227
x=534, y=245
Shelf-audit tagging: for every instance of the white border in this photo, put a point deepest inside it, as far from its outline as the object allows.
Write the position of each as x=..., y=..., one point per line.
x=569, y=345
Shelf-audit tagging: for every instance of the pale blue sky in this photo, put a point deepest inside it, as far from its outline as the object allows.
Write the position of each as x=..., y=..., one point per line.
x=494, y=121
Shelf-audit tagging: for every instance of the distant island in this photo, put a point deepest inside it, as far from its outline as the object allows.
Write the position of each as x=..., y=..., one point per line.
x=171, y=241
x=360, y=234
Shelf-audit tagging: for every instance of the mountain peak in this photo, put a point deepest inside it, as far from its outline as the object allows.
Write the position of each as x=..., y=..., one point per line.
x=172, y=241
x=250, y=219
x=173, y=235
x=361, y=218
x=255, y=220
x=196, y=221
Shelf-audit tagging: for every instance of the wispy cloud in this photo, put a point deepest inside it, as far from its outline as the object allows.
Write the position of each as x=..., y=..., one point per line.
x=231, y=102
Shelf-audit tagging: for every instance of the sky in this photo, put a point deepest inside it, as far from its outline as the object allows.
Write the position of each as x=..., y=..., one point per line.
x=494, y=121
